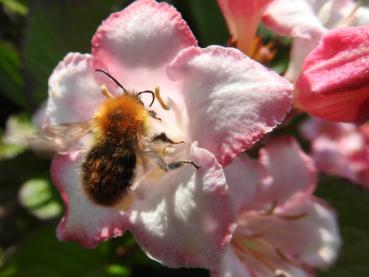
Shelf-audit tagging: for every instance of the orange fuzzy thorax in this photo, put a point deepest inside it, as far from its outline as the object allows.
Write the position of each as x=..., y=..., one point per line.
x=120, y=119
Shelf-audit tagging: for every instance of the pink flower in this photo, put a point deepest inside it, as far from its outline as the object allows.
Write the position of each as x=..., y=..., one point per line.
x=283, y=230
x=243, y=18
x=307, y=20
x=334, y=83
x=340, y=148
x=216, y=100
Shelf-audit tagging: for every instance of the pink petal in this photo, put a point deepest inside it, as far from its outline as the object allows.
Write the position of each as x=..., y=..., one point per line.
x=265, y=262
x=361, y=17
x=291, y=171
x=333, y=13
x=244, y=176
x=311, y=237
x=231, y=266
x=332, y=159
x=257, y=258
x=136, y=44
x=231, y=100
x=74, y=95
x=301, y=47
x=339, y=148
x=315, y=127
x=83, y=221
x=187, y=219
x=342, y=13
x=297, y=20
x=243, y=19
x=334, y=84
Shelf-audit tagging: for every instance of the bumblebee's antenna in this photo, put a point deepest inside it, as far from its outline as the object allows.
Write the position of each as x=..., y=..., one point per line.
x=148, y=91
x=111, y=77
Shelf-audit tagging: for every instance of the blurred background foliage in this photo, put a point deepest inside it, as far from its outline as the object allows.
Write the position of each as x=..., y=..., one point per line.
x=34, y=36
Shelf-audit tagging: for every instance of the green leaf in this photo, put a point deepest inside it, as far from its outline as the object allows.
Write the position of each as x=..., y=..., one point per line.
x=351, y=204
x=116, y=269
x=18, y=128
x=56, y=28
x=10, y=76
x=43, y=255
x=9, y=150
x=208, y=22
x=37, y=196
x=15, y=6
x=283, y=45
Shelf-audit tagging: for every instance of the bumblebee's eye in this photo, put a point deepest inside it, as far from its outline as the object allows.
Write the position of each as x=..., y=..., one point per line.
x=146, y=91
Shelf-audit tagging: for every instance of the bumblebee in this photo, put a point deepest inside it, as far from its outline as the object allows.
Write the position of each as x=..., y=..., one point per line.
x=120, y=128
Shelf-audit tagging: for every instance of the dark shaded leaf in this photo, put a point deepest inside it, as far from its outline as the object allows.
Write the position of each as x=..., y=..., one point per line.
x=43, y=255
x=10, y=75
x=351, y=204
x=208, y=21
x=55, y=28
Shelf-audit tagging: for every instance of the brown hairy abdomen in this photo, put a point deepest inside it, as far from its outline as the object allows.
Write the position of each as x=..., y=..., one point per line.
x=108, y=172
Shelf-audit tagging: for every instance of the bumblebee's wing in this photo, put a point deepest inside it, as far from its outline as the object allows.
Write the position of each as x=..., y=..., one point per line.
x=141, y=154
x=57, y=138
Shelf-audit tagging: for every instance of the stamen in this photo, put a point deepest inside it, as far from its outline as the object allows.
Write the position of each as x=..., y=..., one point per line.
x=161, y=101
x=241, y=251
x=261, y=52
x=347, y=21
x=254, y=235
x=105, y=91
x=288, y=260
x=256, y=44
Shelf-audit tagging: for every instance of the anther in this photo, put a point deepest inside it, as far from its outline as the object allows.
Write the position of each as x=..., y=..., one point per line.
x=161, y=101
x=105, y=91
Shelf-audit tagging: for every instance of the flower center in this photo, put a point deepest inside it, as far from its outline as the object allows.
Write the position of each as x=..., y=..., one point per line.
x=253, y=246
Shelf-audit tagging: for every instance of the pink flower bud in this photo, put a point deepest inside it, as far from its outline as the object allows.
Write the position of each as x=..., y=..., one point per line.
x=334, y=84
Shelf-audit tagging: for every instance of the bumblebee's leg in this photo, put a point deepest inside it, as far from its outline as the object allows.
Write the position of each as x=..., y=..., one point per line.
x=154, y=115
x=105, y=91
x=164, y=138
x=174, y=165
x=180, y=163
